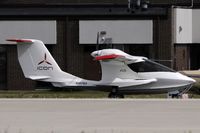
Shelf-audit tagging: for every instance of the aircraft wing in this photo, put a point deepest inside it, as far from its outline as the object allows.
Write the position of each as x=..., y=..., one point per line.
x=127, y=82
x=123, y=58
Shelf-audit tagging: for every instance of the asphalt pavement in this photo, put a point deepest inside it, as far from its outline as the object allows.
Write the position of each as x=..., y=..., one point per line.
x=99, y=116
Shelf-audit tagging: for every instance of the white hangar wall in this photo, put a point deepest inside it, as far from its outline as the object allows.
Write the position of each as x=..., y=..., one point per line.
x=187, y=25
x=41, y=30
x=121, y=31
x=196, y=25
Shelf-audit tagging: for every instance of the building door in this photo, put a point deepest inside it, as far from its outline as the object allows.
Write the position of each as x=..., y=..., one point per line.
x=182, y=57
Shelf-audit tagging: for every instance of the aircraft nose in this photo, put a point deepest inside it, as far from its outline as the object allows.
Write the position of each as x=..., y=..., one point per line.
x=192, y=80
x=188, y=79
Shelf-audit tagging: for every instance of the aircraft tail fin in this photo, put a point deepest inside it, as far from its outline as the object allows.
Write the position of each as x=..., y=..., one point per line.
x=36, y=61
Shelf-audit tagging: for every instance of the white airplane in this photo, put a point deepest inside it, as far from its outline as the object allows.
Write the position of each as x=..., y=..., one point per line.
x=121, y=72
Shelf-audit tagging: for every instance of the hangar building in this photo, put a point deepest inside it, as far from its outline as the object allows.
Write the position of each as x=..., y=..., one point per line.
x=167, y=31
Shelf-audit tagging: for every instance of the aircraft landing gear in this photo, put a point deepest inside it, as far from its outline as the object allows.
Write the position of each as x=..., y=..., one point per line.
x=174, y=94
x=115, y=94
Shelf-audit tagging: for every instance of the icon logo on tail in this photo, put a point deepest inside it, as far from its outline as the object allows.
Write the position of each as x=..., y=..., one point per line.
x=42, y=64
x=45, y=60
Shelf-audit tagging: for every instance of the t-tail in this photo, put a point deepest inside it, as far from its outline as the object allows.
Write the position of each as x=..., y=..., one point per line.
x=38, y=64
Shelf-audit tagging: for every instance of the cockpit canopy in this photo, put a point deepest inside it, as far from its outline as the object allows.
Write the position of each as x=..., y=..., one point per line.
x=149, y=66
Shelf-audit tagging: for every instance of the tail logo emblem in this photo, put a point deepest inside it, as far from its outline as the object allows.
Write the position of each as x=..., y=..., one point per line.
x=45, y=60
x=42, y=64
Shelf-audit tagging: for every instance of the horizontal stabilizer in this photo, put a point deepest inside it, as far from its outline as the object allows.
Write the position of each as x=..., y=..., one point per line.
x=33, y=77
x=20, y=40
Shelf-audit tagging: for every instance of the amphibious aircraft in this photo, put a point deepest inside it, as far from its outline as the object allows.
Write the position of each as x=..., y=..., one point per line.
x=123, y=73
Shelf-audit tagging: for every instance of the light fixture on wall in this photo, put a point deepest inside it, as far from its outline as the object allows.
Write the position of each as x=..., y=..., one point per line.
x=184, y=6
x=145, y=5
x=102, y=39
x=101, y=36
x=138, y=4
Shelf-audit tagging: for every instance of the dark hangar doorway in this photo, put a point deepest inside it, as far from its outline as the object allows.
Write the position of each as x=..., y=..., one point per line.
x=195, y=57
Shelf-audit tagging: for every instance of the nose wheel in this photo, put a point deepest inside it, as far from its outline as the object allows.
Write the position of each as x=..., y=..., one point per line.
x=115, y=93
x=174, y=94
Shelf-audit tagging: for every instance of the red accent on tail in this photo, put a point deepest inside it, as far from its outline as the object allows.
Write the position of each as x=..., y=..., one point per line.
x=19, y=40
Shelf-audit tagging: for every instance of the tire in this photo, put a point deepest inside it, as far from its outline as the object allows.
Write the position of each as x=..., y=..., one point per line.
x=115, y=95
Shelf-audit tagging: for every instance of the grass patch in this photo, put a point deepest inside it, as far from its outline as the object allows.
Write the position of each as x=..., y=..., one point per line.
x=52, y=94
x=193, y=93
x=74, y=94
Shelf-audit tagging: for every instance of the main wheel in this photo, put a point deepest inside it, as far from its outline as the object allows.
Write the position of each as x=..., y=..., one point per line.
x=120, y=95
x=111, y=95
x=115, y=95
